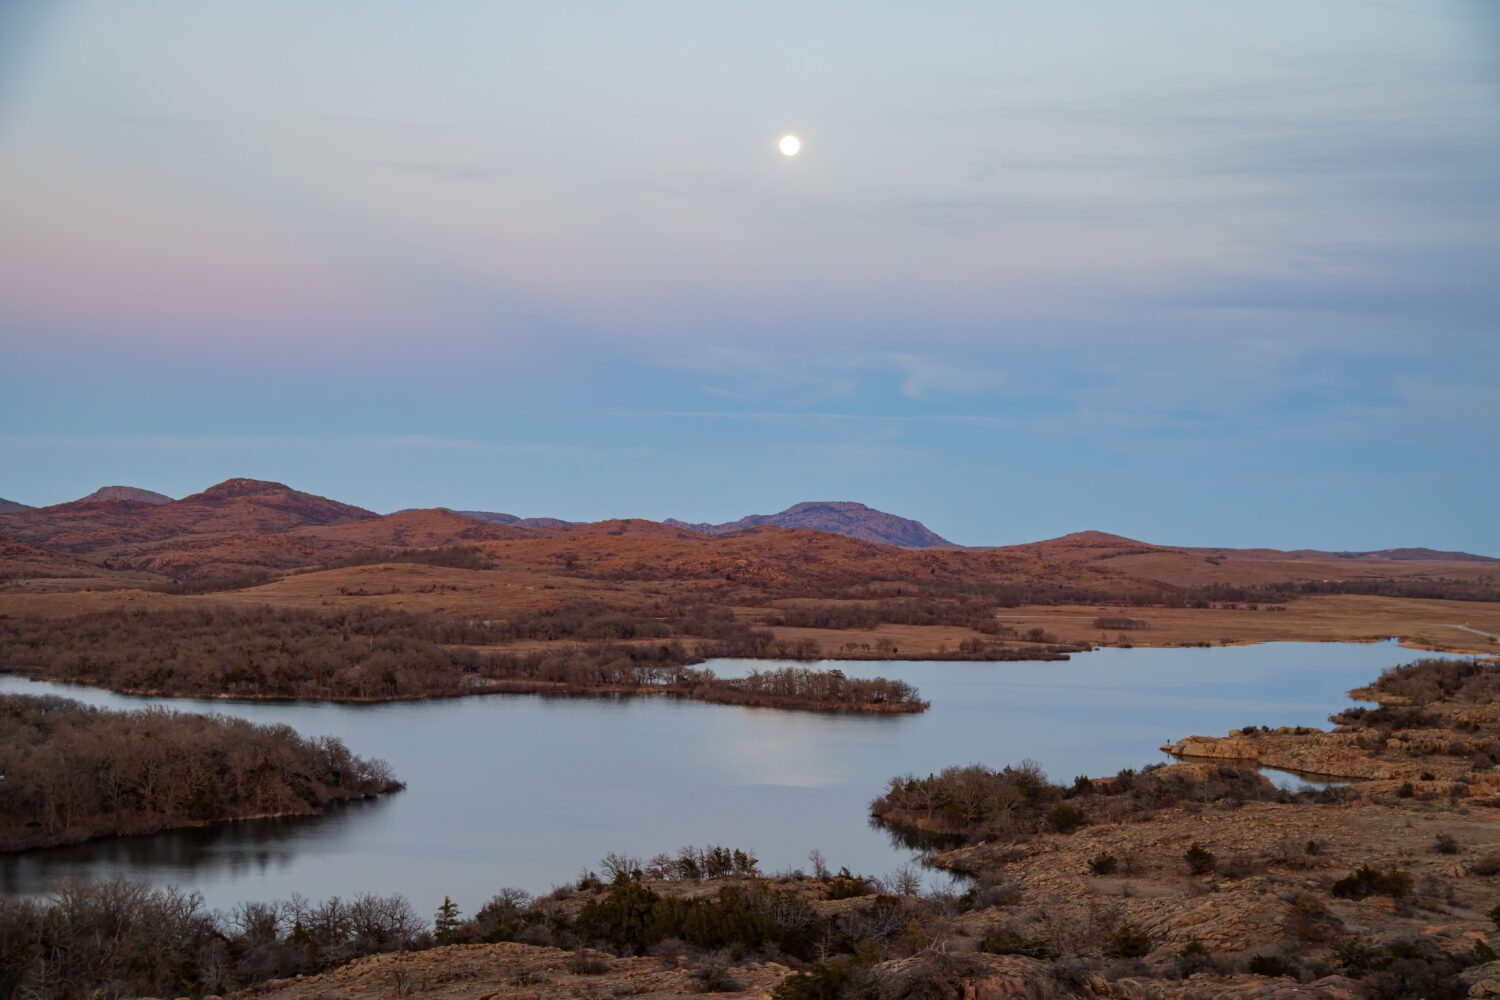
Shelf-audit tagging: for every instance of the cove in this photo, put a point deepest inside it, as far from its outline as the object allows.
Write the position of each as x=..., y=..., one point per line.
x=522, y=790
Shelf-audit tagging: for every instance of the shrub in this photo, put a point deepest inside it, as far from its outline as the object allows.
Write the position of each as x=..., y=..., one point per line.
x=1063, y=818
x=1307, y=922
x=630, y=917
x=847, y=886
x=1103, y=863
x=1356, y=957
x=1127, y=941
x=713, y=975
x=1487, y=865
x=827, y=980
x=1445, y=844
x=1002, y=941
x=987, y=894
x=1193, y=958
x=1406, y=791
x=1366, y=881
x=1199, y=859
x=1269, y=965
x=586, y=962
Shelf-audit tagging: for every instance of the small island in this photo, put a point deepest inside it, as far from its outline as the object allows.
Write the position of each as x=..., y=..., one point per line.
x=72, y=772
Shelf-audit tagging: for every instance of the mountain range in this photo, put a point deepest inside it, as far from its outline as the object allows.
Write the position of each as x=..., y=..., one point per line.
x=854, y=520
x=120, y=536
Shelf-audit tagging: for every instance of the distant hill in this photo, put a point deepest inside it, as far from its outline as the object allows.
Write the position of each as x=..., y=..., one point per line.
x=495, y=517
x=839, y=517
x=11, y=506
x=1414, y=555
x=130, y=494
x=235, y=505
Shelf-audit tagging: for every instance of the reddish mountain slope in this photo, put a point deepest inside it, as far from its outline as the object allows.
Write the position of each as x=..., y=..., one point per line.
x=236, y=505
x=18, y=561
x=417, y=529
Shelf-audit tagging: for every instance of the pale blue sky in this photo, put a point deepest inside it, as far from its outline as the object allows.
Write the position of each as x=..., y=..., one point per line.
x=1200, y=273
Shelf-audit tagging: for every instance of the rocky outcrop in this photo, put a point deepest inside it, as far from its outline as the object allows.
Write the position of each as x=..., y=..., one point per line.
x=1333, y=755
x=491, y=971
x=1444, y=741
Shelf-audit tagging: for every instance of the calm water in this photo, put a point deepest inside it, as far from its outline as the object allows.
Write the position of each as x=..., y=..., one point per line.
x=523, y=791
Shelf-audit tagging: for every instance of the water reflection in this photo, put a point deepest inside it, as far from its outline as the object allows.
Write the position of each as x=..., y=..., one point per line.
x=234, y=850
x=523, y=790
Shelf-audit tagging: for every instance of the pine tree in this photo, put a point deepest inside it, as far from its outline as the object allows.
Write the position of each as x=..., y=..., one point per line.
x=445, y=927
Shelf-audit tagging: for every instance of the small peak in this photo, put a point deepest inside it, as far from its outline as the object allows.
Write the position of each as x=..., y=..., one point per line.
x=243, y=487
x=1092, y=537
x=811, y=506
x=128, y=494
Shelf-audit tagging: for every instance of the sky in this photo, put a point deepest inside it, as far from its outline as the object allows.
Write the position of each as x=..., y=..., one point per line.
x=1197, y=273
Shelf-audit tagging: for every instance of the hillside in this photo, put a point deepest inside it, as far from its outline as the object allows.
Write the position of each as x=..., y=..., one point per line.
x=421, y=528
x=20, y=561
x=11, y=506
x=838, y=517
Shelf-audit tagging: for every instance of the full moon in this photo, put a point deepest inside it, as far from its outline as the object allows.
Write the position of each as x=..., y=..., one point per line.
x=789, y=145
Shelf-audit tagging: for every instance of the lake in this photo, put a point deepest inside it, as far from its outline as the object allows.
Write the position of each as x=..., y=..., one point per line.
x=517, y=790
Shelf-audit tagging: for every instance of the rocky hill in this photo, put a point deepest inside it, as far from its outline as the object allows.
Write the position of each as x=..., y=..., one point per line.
x=839, y=517
x=11, y=506
x=130, y=494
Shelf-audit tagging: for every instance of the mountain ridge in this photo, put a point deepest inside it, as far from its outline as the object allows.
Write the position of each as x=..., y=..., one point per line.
x=244, y=527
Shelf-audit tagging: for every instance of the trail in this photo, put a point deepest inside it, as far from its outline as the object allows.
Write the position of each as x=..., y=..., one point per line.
x=1488, y=635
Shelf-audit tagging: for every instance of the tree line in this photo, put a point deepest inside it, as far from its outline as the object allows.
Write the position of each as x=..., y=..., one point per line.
x=71, y=772
x=372, y=655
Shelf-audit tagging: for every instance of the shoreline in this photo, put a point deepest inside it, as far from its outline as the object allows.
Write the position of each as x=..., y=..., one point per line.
x=148, y=829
